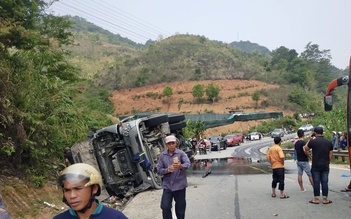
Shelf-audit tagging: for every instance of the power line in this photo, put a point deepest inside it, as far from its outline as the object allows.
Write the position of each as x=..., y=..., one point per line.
x=121, y=21
x=136, y=18
x=134, y=31
x=108, y=22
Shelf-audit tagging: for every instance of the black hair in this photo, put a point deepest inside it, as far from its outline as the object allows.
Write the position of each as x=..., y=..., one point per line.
x=277, y=140
x=300, y=133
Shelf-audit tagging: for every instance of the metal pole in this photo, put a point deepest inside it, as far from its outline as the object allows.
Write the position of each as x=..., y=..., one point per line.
x=348, y=114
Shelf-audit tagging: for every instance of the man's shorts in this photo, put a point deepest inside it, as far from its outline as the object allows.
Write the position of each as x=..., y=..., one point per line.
x=303, y=166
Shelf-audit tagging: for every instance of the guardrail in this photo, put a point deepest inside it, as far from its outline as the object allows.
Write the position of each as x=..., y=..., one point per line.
x=343, y=153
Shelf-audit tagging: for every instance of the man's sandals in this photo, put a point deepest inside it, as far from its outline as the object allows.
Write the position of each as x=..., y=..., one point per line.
x=346, y=190
x=283, y=197
x=316, y=202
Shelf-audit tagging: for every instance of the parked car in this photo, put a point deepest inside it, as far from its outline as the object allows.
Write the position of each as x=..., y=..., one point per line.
x=255, y=136
x=218, y=141
x=233, y=139
x=277, y=133
x=307, y=127
x=240, y=136
x=126, y=153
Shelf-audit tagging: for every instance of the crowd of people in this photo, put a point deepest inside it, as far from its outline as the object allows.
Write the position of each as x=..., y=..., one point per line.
x=200, y=145
x=339, y=140
x=318, y=175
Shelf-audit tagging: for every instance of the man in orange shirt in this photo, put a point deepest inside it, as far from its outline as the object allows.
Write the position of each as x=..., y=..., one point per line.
x=275, y=157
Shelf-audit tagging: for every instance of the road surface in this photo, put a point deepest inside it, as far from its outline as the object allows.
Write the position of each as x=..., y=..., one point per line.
x=243, y=190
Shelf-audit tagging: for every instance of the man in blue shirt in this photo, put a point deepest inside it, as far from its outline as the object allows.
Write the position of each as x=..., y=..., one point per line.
x=335, y=140
x=80, y=184
x=173, y=164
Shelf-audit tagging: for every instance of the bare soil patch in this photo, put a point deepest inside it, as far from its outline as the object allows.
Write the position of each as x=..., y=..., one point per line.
x=234, y=94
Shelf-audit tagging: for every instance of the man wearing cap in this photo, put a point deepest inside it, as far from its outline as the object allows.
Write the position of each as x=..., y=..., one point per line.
x=173, y=164
x=322, y=153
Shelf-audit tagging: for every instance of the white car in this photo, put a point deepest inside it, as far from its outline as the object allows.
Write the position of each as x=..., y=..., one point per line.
x=255, y=136
x=307, y=127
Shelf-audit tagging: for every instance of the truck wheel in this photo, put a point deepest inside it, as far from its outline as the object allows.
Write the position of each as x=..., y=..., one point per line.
x=177, y=126
x=175, y=118
x=154, y=121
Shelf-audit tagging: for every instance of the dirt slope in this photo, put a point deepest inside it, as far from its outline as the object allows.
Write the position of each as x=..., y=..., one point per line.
x=234, y=94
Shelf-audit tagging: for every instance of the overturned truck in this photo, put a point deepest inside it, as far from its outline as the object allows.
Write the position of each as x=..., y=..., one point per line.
x=126, y=153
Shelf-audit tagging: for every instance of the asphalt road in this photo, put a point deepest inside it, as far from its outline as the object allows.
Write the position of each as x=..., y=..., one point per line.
x=243, y=190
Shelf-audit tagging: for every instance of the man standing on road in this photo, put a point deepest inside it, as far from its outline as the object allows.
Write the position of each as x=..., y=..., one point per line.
x=302, y=160
x=275, y=157
x=322, y=153
x=173, y=164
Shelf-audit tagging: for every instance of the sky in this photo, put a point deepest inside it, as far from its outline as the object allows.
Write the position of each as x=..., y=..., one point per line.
x=269, y=23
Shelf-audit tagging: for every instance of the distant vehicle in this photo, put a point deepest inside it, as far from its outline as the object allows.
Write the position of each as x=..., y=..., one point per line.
x=307, y=127
x=277, y=133
x=240, y=136
x=255, y=136
x=233, y=139
x=218, y=142
x=321, y=126
x=290, y=131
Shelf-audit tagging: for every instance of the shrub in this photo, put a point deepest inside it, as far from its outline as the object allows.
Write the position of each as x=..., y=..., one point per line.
x=38, y=181
x=265, y=103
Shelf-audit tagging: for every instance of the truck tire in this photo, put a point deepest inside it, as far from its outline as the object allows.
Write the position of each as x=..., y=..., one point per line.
x=154, y=121
x=175, y=118
x=177, y=126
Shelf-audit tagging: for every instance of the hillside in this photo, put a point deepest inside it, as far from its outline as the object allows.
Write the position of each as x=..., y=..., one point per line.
x=115, y=62
x=234, y=94
x=179, y=58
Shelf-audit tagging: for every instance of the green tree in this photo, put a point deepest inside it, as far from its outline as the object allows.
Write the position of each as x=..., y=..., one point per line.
x=298, y=97
x=300, y=74
x=280, y=54
x=255, y=97
x=198, y=91
x=212, y=92
x=319, y=63
x=43, y=106
x=314, y=54
x=168, y=92
x=194, y=129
